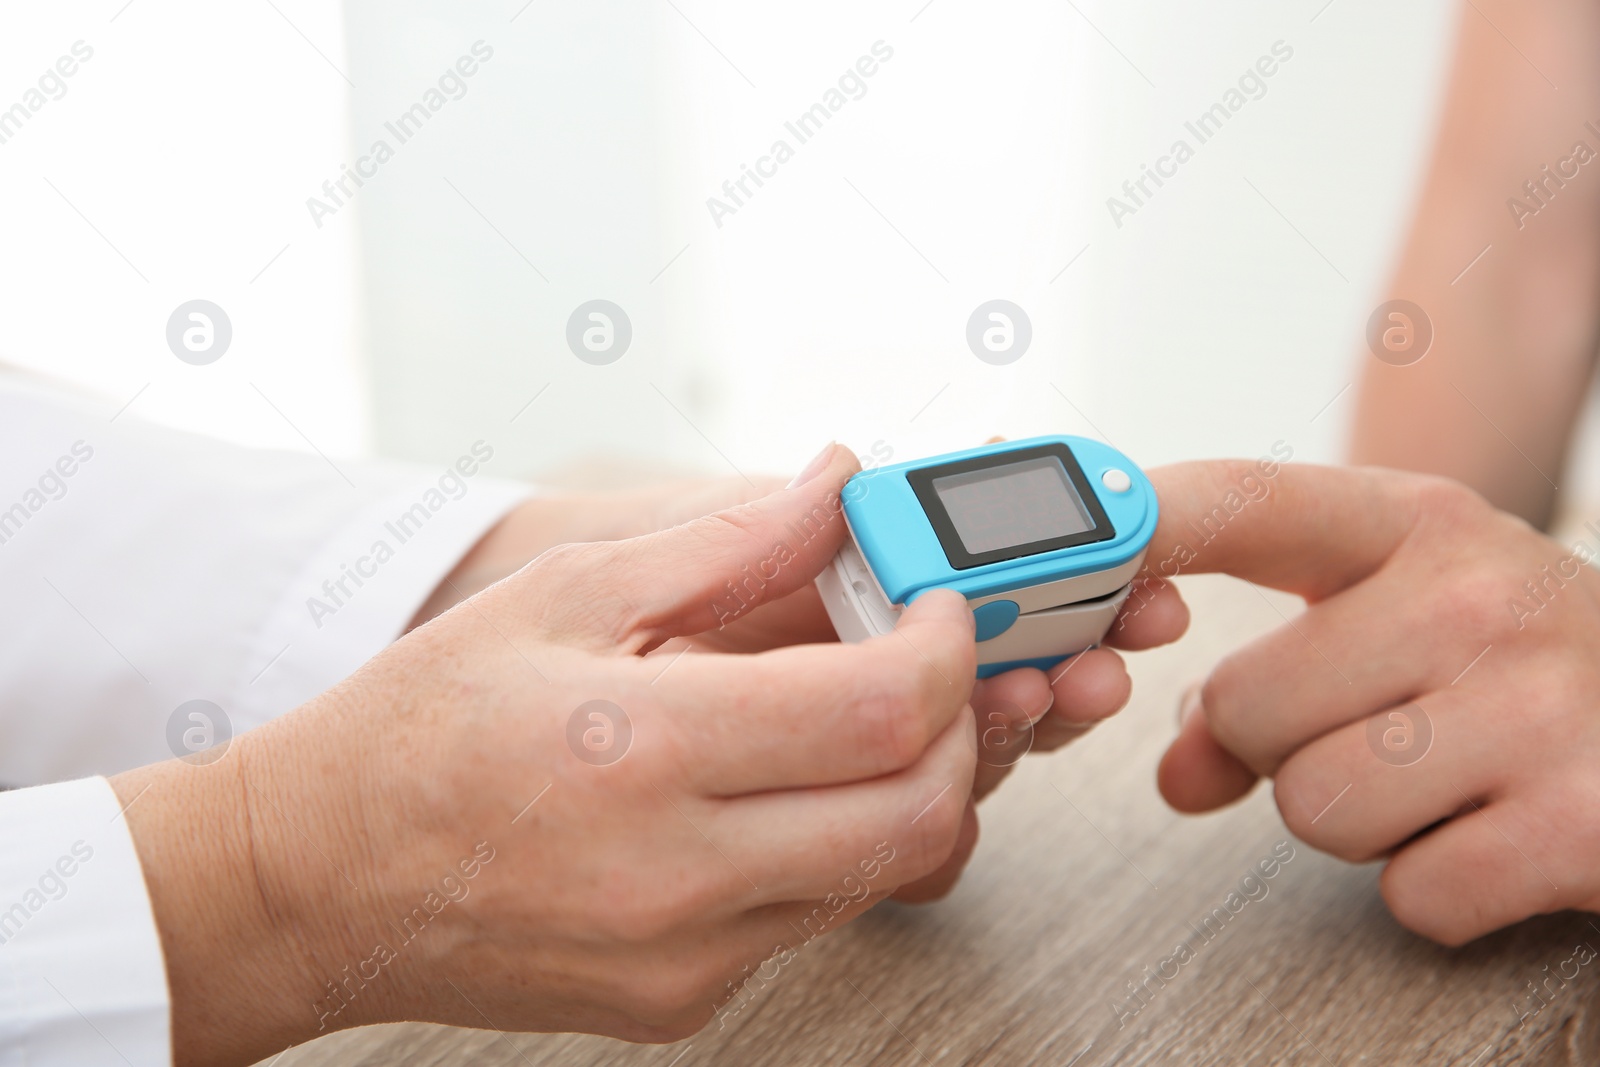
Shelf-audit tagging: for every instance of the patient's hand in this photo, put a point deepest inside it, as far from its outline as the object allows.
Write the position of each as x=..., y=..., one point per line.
x=1430, y=707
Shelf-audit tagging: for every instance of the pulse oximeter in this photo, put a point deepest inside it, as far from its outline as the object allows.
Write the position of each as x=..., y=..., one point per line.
x=1042, y=537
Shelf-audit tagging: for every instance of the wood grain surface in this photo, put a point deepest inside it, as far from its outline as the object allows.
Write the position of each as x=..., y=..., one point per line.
x=1083, y=880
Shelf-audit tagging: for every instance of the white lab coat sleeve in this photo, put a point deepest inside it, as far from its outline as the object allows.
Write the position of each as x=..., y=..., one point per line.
x=143, y=570
x=82, y=981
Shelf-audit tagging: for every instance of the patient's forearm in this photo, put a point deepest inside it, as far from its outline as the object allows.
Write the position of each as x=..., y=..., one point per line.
x=1494, y=403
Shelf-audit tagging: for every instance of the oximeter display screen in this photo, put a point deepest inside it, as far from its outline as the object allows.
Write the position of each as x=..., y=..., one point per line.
x=1010, y=503
x=1015, y=504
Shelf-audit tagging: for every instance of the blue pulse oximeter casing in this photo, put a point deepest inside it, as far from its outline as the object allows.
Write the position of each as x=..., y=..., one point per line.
x=1042, y=536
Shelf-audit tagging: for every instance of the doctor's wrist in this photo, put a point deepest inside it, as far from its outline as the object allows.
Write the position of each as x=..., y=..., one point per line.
x=238, y=978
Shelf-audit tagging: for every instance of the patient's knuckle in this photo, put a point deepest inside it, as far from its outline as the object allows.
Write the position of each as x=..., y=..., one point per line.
x=1418, y=899
x=1289, y=791
x=1220, y=699
x=1302, y=797
x=1408, y=898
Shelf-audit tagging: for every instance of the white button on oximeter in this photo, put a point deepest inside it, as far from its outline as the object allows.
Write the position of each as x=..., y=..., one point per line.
x=1042, y=536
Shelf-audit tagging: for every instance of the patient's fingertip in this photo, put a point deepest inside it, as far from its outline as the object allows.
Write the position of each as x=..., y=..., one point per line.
x=1092, y=686
x=1173, y=784
x=1198, y=775
x=1149, y=620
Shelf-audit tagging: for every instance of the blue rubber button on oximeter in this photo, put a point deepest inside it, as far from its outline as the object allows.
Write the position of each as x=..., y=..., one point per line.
x=995, y=617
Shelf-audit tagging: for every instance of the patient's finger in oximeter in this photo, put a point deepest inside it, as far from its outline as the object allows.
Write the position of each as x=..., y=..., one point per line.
x=1042, y=537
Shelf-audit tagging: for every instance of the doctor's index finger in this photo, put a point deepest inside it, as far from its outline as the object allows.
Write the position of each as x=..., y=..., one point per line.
x=1305, y=529
x=700, y=575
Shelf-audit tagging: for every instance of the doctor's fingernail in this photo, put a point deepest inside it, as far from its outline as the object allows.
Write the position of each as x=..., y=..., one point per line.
x=814, y=468
x=1049, y=702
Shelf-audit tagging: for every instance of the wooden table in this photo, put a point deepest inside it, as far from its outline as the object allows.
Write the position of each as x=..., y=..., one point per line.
x=1084, y=879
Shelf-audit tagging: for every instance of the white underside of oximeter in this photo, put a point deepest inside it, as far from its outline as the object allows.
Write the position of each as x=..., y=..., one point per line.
x=1057, y=618
x=855, y=603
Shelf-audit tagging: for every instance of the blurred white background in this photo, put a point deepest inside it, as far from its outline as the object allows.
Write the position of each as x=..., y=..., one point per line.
x=429, y=309
x=175, y=167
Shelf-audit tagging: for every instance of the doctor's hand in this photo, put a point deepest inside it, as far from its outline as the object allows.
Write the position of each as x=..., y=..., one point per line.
x=548, y=519
x=1436, y=706
x=558, y=518
x=515, y=818
x=1021, y=710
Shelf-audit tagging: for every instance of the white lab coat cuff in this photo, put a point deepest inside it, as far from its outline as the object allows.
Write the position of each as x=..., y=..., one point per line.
x=82, y=978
